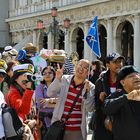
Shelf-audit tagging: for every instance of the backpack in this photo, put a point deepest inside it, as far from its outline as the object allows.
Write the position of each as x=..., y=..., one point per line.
x=12, y=124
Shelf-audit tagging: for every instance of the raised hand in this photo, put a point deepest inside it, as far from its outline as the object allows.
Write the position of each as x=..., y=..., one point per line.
x=102, y=96
x=59, y=72
x=43, y=101
x=134, y=95
x=87, y=86
x=49, y=101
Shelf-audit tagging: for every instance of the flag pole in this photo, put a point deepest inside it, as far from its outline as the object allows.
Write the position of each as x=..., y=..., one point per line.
x=90, y=62
x=93, y=39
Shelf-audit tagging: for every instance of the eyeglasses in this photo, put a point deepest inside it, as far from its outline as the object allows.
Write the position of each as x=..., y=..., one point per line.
x=47, y=73
x=83, y=67
x=2, y=75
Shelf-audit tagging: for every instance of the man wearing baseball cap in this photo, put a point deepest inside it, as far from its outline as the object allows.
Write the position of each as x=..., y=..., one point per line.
x=113, y=57
x=104, y=86
x=124, y=105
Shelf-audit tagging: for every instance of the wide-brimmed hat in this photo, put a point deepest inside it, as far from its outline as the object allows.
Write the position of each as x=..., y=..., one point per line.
x=8, y=48
x=30, y=49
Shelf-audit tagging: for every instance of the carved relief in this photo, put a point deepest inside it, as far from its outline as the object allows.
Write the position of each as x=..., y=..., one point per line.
x=105, y=9
x=85, y=12
x=125, y=5
x=134, y=4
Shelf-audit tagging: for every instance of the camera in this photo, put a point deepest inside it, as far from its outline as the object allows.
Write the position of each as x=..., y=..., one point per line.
x=34, y=78
x=31, y=78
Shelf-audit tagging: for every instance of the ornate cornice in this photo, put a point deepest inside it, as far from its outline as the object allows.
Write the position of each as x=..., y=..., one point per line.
x=110, y=9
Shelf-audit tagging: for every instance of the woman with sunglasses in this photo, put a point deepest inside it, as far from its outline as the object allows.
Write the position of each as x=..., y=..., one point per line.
x=45, y=105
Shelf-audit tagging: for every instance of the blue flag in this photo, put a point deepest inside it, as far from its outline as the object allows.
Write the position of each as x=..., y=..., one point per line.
x=92, y=37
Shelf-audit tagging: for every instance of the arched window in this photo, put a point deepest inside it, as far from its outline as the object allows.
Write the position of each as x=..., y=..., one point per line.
x=127, y=42
x=103, y=42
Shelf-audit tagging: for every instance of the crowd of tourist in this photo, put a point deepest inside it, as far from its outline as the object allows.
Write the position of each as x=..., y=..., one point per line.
x=42, y=86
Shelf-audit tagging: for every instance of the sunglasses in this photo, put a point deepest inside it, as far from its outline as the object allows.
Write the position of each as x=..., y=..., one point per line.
x=47, y=73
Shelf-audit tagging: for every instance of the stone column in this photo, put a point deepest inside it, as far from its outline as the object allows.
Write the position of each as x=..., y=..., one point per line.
x=136, y=41
x=12, y=4
x=50, y=41
x=67, y=41
x=87, y=50
x=34, y=37
x=21, y=3
x=109, y=36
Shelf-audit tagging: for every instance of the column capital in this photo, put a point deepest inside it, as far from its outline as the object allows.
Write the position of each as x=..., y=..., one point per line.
x=29, y=31
x=109, y=18
x=136, y=15
x=86, y=23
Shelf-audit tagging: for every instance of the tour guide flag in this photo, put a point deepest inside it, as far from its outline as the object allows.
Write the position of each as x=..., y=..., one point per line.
x=92, y=37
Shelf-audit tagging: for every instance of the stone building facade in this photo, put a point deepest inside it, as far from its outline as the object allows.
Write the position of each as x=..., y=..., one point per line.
x=118, y=24
x=4, y=30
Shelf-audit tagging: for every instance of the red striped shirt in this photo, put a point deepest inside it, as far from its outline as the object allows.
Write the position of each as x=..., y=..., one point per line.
x=74, y=121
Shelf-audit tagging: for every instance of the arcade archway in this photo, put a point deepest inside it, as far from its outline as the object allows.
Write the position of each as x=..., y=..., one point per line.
x=127, y=42
x=103, y=42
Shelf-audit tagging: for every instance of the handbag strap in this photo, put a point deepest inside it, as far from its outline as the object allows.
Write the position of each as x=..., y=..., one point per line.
x=74, y=102
x=8, y=103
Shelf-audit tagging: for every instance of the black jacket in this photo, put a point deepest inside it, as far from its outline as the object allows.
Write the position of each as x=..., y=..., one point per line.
x=126, y=116
x=101, y=85
x=95, y=76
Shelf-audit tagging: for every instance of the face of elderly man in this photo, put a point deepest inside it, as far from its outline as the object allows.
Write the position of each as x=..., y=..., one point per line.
x=131, y=82
x=82, y=69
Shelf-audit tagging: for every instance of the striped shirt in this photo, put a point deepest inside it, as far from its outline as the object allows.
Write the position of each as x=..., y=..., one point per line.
x=74, y=121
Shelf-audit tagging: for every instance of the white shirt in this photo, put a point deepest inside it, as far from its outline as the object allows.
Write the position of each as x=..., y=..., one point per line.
x=1, y=124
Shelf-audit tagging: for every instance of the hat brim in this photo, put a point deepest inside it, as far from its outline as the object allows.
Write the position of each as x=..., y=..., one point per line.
x=28, y=73
x=120, y=57
x=3, y=71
